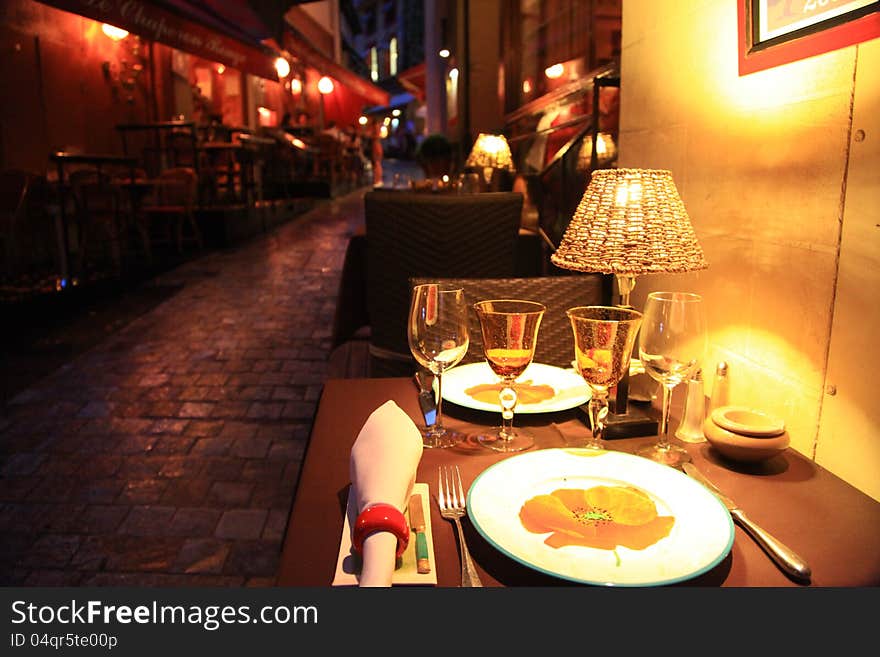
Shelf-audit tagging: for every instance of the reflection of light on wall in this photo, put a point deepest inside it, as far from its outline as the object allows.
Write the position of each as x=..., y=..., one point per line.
x=392, y=56
x=296, y=86
x=325, y=85
x=452, y=93
x=115, y=33
x=282, y=66
x=554, y=71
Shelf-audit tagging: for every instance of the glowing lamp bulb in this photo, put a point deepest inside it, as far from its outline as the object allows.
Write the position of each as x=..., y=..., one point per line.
x=282, y=67
x=296, y=86
x=362, y=120
x=554, y=71
x=115, y=33
x=325, y=85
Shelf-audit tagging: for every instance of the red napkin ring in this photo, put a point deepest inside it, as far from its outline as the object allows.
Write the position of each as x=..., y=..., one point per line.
x=380, y=518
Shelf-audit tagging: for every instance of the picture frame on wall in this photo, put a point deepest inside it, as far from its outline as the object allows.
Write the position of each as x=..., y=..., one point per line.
x=775, y=32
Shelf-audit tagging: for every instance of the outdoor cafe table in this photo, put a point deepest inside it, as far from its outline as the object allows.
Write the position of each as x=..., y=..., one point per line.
x=834, y=526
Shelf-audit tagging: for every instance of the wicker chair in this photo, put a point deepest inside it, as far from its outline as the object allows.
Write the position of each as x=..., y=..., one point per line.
x=558, y=293
x=429, y=235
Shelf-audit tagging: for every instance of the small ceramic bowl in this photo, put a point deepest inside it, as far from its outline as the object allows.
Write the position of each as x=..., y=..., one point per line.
x=747, y=421
x=739, y=447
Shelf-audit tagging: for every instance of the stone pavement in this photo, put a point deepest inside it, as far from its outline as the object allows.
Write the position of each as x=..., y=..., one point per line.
x=168, y=454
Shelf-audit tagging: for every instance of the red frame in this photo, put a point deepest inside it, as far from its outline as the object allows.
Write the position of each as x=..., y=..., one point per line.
x=752, y=59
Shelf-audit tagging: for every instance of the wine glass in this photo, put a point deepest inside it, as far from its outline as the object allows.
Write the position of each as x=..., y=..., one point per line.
x=671, y=343
x=510, y=329
x=438, y=337
x=604, y=337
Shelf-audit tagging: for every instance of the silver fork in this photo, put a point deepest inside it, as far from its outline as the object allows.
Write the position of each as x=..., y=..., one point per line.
x=451, y=498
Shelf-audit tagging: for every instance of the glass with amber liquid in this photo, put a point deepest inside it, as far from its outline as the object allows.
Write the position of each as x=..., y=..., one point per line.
x=509, y=328
x=604, y=337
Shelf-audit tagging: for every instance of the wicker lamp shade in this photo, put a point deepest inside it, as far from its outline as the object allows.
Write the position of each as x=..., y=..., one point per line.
x=630, y=221
x=490, y=152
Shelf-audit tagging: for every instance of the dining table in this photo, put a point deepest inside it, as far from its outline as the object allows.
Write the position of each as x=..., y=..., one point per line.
x=827, y=521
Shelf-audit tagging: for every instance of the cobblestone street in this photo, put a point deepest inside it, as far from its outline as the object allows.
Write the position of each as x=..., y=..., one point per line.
x=168, y=454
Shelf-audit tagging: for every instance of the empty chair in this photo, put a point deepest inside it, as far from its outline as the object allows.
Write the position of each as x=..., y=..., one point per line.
x=555, y=344
x=423, y=235
x=173, y=204
x=100, y=219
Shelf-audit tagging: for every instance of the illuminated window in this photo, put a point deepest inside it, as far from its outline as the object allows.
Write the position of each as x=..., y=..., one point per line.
x=392, y=47
x=374, y=64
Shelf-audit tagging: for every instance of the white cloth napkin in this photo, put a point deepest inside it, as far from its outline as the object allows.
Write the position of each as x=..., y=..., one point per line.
x=384, y=459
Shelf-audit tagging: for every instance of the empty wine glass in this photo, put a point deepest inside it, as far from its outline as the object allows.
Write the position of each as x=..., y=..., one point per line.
x=509, y=329
x=437, y=331
x=671, y=343
x=604, y=337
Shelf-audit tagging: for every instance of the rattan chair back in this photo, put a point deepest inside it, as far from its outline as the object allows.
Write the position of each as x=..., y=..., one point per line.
x=412, y=234
x=558, y=293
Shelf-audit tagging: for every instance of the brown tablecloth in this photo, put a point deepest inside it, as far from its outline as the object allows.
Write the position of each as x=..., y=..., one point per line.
x=834, y=526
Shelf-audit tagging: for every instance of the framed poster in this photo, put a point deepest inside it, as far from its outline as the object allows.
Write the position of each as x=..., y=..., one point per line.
x=774, y=32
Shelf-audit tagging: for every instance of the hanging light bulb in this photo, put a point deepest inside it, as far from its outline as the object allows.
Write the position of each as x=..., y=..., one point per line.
x=325, y=85
x=282, y=66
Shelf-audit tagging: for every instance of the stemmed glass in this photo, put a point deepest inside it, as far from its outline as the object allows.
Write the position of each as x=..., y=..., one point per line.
x=604, y=337
x=671, y=343
x=437, y=331
x=510, y=330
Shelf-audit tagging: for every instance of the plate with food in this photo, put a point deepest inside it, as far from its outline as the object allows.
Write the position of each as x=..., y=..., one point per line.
x=540, y=389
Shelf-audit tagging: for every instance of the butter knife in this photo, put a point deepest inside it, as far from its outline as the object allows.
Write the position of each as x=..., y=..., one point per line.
x=788, y=560
x=417, y=523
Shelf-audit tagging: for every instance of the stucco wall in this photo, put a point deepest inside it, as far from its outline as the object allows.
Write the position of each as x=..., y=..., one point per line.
x=784, y=200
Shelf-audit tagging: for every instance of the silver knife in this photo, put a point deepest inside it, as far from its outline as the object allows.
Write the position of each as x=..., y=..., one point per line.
x=785, y=557
x=427, y=400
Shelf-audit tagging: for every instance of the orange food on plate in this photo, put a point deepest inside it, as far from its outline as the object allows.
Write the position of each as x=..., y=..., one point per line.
x=525, y=393
x=602, y=517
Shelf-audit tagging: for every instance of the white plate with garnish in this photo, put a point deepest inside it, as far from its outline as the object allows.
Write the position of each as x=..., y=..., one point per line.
x=600, y=517
x=541, y=388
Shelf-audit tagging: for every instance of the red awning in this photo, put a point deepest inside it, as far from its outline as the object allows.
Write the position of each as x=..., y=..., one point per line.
x=155, y=23
x=312, y=57
x=413, y=80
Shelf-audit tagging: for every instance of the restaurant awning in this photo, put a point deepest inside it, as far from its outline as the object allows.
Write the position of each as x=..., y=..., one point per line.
x=413, y=80
x=309, y=55
x=224, y=31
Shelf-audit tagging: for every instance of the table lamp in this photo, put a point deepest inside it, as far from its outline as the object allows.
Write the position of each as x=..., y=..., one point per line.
x=629, y=222
x=606, y=152
x=490, y=152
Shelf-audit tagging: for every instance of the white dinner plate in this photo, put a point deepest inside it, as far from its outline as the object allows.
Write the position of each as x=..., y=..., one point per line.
x=570, y=388
x=701, y=534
